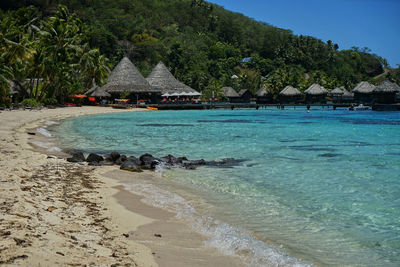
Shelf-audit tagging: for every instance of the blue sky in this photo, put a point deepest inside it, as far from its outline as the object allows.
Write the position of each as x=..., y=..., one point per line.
x=363, y=23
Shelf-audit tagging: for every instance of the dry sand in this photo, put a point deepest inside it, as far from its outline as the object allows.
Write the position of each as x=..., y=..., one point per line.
x=55, y=213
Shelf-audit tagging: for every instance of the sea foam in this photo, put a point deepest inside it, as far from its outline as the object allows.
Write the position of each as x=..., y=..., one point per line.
x=44, y=132
x=227, y=239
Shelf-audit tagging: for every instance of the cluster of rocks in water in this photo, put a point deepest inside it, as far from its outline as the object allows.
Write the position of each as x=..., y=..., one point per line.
x=148, y=162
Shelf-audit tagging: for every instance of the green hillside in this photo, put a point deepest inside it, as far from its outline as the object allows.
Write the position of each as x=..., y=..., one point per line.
x=204, y=44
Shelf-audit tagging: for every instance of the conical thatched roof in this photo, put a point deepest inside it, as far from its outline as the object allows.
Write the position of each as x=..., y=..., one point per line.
x=337, y=91
x=387, y=87
x=162, y=79
x=316, y=89
x=290, y=91
x=100, y=92
x=125, y=77
x=364, y=88
x=262, y=92
x=229, y=92
x=91, y=90
x=347, y=93
x=242, y=92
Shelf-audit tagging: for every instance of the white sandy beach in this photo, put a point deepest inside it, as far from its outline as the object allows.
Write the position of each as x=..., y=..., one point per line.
x=56, y=213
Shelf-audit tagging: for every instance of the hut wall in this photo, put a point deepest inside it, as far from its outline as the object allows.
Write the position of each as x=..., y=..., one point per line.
x=365, y=99
x=385, y=98
x=234, y=99
x=264, y=99
x=315, y=99
x=245, y=98
x=290, y=99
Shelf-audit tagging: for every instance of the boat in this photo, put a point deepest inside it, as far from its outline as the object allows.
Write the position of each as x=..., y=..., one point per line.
x=359, y=107
x=152, y=108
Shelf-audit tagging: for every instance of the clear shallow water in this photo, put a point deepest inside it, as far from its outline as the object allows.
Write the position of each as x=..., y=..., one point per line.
x=322, y=186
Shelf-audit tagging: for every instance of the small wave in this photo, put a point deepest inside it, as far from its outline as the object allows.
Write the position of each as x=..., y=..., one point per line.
x=42, y=144
x=50, y=122
x=54, y=148
x=224, y=237
x=44, y=132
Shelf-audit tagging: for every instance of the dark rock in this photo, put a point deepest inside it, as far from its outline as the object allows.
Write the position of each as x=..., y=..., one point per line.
x=148, y=162
x=94, y=163
x=192, y=164
x=76, y=157
x=225, y=163
x=121, y=160
x=180, y=159
x=169, y=159
x=114, y=156
x=130, y=166
x=94, y=158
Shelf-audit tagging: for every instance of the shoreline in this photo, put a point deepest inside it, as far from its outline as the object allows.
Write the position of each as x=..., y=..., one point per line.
x=111, y=231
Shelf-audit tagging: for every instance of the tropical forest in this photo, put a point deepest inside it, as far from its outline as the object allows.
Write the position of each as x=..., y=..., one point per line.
x=50, y=49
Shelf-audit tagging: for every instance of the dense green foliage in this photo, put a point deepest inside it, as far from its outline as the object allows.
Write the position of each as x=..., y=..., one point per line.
x=47, y=57
x=204, y=45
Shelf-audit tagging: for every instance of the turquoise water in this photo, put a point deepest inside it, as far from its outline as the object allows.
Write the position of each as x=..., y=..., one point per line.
x=323, y=187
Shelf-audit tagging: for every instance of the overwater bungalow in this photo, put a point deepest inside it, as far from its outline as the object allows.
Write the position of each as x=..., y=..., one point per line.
x=126, y=78
x=347, y=97
x=336, y=95
x=245, y=96
x=290, y=95
x=385, y=93
x=263, y=96
x=316, y=94
x=363, y=93
x=162, y=80
x=228, y=93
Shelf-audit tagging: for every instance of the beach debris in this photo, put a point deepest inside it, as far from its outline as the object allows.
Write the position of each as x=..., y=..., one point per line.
x=158, y=235
x=31, y=133
x=94, y=158
x=126, y=235
x=51, y=208
x=76, y=157
x=60, y=253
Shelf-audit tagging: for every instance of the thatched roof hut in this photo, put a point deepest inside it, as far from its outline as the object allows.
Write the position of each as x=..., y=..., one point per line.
x=125, y=77
x=290, y=95
x=290, y=91
x=262, y=92
x=263, y=96
x=100, y=92
x=364, y=88
x=385, y=93
x=316, y=89
x=363, y=93
x=316, y=94
x=162, y=79
x=229, y=92
x=245, y=96
x=336, y=92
